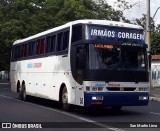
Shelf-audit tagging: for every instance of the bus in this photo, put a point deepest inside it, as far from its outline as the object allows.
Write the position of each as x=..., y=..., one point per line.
x=88, y=63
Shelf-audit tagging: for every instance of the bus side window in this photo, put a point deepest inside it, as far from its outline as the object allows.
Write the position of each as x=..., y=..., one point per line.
x=76, y=33
x=17, y=52
x=48, y=44
x=22, y=51
x=25, y=50
x=38, y=47
x=13, y=53
x=53, y=42
x=31, y=47
x=42, y=45
x=62, y=41
x=65, y=40
x=59, y=41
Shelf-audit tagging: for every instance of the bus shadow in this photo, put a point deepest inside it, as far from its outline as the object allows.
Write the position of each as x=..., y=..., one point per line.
x=82, y=111
x=107, y=112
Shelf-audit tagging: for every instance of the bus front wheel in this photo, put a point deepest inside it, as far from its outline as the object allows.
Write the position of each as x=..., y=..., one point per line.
x=64, y=98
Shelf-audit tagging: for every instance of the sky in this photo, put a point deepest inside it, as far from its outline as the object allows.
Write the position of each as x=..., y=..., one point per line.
x=140, y=8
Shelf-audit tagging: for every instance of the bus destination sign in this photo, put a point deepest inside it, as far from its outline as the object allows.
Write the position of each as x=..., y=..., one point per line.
x=115, y=34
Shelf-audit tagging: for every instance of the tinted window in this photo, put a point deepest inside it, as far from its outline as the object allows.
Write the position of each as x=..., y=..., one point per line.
x=17, y=52
x=62, y=41
x=50, y=43
x=59, y=41
x=25, y=50
x=65, y=40
x=31, y=46
x=42, y=45
x=38, y=47
x=13, y=52
x=76, y=33
x=53, y=42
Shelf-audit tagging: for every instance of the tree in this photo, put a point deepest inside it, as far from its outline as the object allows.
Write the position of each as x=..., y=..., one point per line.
x=155, y=38
x=142, y=22
x=22, y=18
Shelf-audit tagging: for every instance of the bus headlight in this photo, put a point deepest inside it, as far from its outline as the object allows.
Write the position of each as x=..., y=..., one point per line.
x=99, y=98
x=143, y=97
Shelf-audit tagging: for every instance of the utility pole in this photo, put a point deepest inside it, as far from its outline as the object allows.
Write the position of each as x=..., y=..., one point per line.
x=148, y=39
x=148, y=27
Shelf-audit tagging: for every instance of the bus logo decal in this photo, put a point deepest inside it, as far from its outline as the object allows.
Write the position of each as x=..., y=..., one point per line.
x=34, y=65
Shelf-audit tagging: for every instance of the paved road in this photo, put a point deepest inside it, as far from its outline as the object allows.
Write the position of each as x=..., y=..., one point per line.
x=40, y=110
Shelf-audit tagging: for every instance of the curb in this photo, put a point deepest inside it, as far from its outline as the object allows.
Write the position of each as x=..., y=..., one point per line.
x=154, y=98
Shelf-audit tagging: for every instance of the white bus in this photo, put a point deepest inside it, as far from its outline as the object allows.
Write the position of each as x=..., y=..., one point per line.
x=90, y=63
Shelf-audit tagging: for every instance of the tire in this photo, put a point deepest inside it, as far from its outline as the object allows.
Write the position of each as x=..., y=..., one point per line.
x=22, y=93
x=64, y=100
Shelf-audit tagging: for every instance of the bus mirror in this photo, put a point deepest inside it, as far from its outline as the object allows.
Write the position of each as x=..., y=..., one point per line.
x=150, y=60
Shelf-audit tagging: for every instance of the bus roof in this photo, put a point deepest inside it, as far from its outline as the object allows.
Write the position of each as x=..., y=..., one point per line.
x=86, y=21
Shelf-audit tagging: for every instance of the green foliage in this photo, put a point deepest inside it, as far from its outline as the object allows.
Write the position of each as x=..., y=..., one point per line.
x=22, y=18
x=155, y=34
x=155, y=44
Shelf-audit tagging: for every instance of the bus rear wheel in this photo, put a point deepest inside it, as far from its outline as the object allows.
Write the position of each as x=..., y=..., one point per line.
x=22, y=93
x=64, y=99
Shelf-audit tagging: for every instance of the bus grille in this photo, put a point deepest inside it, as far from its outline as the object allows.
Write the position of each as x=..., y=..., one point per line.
x=121, y=88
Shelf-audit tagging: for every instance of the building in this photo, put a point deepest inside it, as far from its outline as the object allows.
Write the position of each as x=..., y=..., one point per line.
x=4, y=75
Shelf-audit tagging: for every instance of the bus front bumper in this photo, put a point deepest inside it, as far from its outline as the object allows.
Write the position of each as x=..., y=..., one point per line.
x=107, y=99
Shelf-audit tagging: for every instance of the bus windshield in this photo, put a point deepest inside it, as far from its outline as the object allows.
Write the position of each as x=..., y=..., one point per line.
x=113, y=57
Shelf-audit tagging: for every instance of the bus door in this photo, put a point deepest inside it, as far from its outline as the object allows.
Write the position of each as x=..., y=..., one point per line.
x=79, y=74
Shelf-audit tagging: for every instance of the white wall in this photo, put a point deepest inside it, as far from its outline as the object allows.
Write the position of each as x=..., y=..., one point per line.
x=155, y=68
